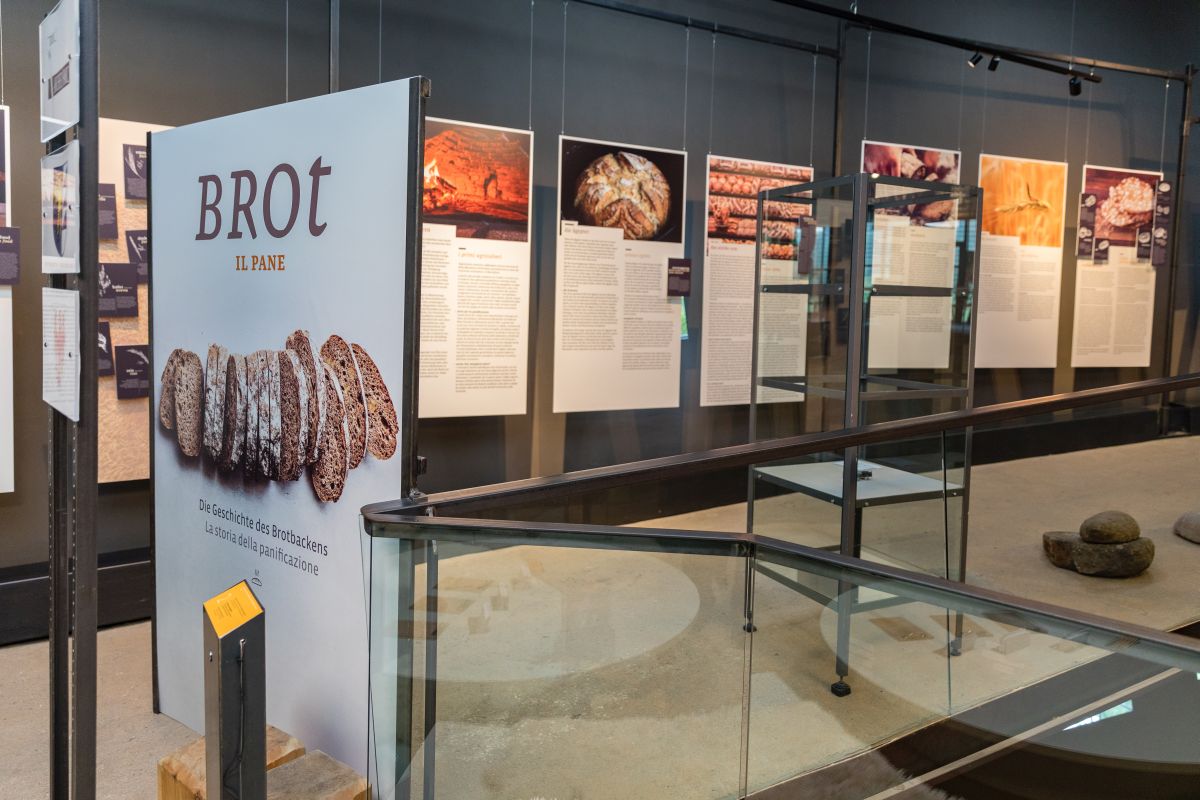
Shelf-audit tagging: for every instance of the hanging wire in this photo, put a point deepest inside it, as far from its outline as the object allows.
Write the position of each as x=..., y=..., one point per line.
x=562, y=128
x=1087, y=129
x=812, y=116
x=1070, y=65
x=962, y=93
x=867, y=85
x=712, y=90
x=531, y=4
x=287, y=51
x=983, y=116
x=1162, y=143
x=687, y=60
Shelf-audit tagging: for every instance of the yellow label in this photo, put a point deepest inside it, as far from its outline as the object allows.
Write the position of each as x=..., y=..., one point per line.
x=233, y=607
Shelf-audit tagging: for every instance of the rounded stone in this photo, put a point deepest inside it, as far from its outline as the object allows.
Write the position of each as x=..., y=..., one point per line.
x=1188, y=526
x=1060, y=547
x=1121, y=560
x=1109, y=527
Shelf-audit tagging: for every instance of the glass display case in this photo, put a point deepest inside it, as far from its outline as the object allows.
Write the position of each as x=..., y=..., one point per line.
x=863, y=314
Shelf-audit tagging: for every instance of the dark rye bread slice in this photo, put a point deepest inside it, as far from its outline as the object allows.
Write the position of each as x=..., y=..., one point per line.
x=293, y=416
x=189, y=403
x=254, y=364
x=382, y=423
x=214, y=400
x=340, y=358
x=233, y=440
x=328, y=475
x=314, y=373
x=166, y=400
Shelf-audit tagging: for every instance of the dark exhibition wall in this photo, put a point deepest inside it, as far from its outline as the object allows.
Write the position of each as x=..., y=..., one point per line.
x=596, y=73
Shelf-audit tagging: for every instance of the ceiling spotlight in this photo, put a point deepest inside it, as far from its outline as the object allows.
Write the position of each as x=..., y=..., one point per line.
x=1075, y=85
x=974, y=60
x=994, y=64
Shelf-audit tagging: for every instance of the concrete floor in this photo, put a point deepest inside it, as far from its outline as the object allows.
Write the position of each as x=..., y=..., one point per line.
x=572, y=673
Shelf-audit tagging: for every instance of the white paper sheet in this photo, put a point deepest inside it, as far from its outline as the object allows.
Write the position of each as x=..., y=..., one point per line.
x=616, y=332
x=475, y=270
x=60, y=350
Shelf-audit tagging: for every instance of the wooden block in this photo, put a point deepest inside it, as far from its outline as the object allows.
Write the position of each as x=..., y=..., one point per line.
x=316, y=776
x=181, y=775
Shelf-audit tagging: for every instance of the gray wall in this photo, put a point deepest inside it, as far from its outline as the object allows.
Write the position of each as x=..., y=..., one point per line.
x=178, y=61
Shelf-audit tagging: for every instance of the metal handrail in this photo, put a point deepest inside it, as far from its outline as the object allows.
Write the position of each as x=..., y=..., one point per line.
x=500, y=495
x=1162, y=647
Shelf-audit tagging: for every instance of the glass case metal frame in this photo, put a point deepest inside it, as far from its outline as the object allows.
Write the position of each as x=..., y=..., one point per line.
x=856, y=286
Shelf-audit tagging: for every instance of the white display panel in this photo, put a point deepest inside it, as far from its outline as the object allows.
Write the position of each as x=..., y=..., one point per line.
x=7, y=477
x=58, y=37
x=475, y=269
x=616, y=331
x=911, y=246
x=731, y=207
x=60, y=350
x=1020, y=261
x=321, y=249
x=1114, y=282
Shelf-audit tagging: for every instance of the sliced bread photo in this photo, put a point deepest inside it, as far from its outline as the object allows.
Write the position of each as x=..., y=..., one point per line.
x=314, y=374
x=328, y=475
x=214, y=400
x=382, y=423
x=336, y=353
x=233, y=439
x=254, y=366
x=166, y=399
x=293, y=416
x=189, y=403
x=266, y=400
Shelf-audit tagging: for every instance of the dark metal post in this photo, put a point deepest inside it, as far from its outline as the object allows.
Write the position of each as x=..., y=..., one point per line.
x=1185, y=130
x=429, y=768
x=839, y=84
x=152, y=419
x=235, y=696
x=847, y=591
x=83, y=743
x=410, y=466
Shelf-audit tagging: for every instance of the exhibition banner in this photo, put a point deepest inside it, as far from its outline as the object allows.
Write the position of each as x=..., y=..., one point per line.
x=279, y=259
x=616, y=328
x=123, y=422
x=475, y=267
x=912, y=246
x=1114, y=276
x=731, y=225
x=1020, y=261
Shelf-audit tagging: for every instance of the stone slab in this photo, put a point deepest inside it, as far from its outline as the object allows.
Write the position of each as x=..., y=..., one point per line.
x=181, y=775
x=315, y=776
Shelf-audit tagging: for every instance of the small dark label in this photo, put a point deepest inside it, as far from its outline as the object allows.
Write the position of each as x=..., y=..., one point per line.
x=1100, y=254
x=134, y=157
x=104, y=359
x=133, y=371
x=10, y=256
x=679, y=277
x=1160, y=233
x=1143, y=243
x=1087, y=225
x=60, y=80
x=137, y=244
x=106, y=211
x=118, y=290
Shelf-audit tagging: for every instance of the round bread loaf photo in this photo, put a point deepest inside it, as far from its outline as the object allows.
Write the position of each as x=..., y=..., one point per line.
x=336, y=353
x=624, y=190
x=166, y=400
x=383, y=424
x=328, y=475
